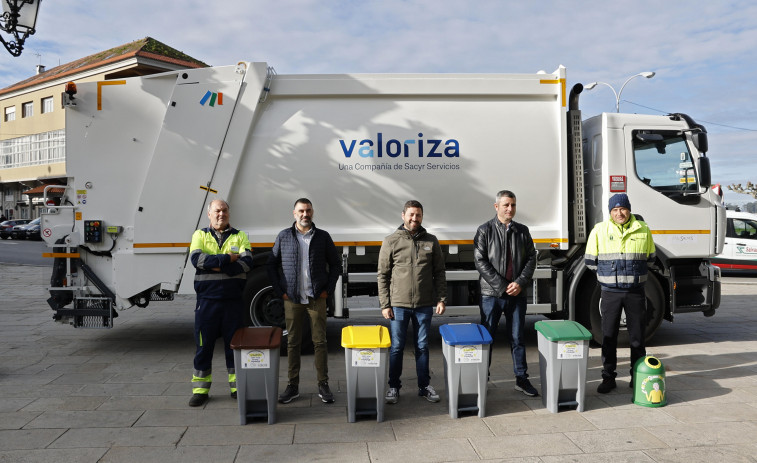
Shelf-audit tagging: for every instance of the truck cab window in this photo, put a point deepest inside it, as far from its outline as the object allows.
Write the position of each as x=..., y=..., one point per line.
x=663, y=161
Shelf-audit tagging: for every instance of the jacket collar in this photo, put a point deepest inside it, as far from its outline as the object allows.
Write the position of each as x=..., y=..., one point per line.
x=229, y=230
x=513, y=224
x=295, y=231
x=420, y=233
x=632, y=224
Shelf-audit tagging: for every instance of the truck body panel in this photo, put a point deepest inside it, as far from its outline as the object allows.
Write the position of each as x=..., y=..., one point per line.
x=146, y=155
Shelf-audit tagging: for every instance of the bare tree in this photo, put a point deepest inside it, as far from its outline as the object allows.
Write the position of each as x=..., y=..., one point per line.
x=750, y=189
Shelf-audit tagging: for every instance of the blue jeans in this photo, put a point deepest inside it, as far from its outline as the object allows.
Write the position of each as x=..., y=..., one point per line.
x=514, y=309
x=421, y=318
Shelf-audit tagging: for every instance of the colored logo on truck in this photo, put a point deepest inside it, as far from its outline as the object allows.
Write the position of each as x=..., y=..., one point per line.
x=214, y=98
x=394, y=148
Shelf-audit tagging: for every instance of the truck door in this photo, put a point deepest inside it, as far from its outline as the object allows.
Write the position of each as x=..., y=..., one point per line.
x=663, y=184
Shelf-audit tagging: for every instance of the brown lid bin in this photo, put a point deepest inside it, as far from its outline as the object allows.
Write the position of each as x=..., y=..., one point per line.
x=257, y=337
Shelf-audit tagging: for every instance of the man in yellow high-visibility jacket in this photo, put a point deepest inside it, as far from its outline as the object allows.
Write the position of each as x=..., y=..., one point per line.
x=222, y=257
x=619, y=251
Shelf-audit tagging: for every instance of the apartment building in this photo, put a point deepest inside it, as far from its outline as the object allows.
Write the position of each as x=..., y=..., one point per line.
x=32, y=121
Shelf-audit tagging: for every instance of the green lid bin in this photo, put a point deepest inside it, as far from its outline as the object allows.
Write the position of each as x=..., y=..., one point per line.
x=563, y=356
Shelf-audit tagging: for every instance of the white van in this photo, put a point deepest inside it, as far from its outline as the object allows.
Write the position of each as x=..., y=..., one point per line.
x=740, y=249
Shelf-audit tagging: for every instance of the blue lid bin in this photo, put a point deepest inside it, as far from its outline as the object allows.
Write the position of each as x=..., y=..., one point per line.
x=466, y=348
x=256, y=360
x=366, y=362
x=563, y=356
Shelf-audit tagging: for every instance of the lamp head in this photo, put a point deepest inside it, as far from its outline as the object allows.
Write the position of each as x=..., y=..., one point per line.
x=19, y=20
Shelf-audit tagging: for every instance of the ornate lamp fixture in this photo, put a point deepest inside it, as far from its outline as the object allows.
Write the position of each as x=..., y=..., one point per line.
x=19, y=18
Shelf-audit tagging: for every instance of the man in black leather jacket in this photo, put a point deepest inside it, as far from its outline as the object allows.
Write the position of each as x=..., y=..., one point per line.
x=506, y=259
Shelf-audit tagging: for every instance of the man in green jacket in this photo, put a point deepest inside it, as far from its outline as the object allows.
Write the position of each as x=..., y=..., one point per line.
x=411, y=284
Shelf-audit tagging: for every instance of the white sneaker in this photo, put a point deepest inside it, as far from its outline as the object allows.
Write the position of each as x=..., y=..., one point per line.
x=429, y=393
x=392, y=395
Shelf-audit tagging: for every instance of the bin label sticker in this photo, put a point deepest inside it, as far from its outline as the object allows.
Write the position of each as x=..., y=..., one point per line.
x=468, y=354
x=570, y=350
x=256, y=358
x=365, y=357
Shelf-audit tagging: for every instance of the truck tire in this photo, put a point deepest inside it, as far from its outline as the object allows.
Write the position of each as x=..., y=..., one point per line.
x=265, y=309
x=654, y=315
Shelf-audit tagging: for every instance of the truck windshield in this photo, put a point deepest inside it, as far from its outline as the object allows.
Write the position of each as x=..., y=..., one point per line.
x=663, y=161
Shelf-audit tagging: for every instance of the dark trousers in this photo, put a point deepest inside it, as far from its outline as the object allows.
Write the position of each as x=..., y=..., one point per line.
x=611, y=306
x=295, y=316
x=215, y=318
x=514, y=309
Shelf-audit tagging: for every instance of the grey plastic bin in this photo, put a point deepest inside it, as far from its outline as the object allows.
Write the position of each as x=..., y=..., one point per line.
x=466, y=348
x=366, y=362
x=256, y=360
x=563, y=356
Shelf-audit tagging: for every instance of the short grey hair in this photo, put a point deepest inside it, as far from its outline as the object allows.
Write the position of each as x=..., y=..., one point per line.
x=210, y=204
x=505, y=193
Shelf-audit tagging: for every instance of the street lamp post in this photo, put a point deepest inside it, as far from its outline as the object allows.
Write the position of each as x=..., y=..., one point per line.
x=19, y=19
x=647, y=74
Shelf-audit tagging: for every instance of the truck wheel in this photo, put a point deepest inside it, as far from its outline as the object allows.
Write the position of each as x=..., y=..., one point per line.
x=265, y=309
x=654, y=315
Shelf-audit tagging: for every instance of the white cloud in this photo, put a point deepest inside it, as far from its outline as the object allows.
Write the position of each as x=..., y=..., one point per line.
x=703, y=51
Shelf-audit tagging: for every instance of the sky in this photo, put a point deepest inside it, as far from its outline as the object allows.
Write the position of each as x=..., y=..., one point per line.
x=703, y=52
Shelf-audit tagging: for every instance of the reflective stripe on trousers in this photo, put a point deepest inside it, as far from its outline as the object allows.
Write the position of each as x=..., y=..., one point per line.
x=202, y=380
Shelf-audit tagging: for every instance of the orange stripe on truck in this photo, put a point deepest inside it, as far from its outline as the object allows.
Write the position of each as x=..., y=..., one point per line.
x=67, y=255
x=99, y=90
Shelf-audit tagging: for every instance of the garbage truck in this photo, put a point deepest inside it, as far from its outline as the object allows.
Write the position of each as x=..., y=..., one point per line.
x=145, y=155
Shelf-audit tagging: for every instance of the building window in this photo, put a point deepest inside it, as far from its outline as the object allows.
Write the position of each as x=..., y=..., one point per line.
x=10, y=113
x=27, y=109
x=33, y=150
x=47, y=105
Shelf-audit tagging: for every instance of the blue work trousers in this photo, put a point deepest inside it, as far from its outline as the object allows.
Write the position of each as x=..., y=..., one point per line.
x=514, y=308
x=611, y=305
x=215, y=318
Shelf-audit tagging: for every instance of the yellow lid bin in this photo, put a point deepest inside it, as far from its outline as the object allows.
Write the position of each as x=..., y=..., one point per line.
x=366, y=350
x=373, y=336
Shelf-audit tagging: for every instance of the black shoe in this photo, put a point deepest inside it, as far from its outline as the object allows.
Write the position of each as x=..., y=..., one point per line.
x=429, y=393
x=325, y=393
x=198, y=400
x=234, y=395
x=524, y=385
x=607, y=385
x=290, y=393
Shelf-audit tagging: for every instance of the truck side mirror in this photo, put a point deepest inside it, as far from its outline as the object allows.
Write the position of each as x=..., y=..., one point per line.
x=705, y=174
x=700, y=141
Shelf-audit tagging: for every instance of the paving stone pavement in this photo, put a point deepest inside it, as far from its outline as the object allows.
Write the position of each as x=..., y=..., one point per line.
x=120, y=395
